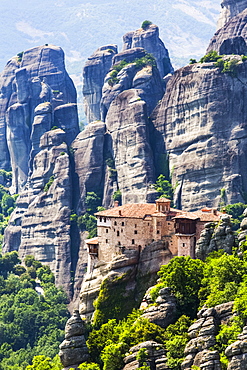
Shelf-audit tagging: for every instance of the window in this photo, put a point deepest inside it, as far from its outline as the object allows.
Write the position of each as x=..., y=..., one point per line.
x=106, y=230
x=135, y=231
x=115, y=223
x=117, y=233
x=135, y=225
x=158, y=231
x=121, y=230
x=104, y=219
x=133, y=241
x=119, y=243
x=158, y=223
x=107, y=241
x=122, y=223
x=183, y=245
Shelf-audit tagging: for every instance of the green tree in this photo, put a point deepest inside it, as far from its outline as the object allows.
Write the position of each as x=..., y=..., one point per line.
x=164, y=187
x=222, y=275
x=184, y=276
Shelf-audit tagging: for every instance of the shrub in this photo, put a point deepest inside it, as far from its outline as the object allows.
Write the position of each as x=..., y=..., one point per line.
x=145, y=24
x=49, y=183
x=212, y=56
x=117, y=196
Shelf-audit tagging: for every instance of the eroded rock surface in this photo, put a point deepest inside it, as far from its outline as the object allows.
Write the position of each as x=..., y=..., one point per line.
x=27, y=84
x=88, y=150
x=94, y=72
x=232, y=37
x=127, y=123
x=144, y=78
x=141, y=267
x=155, y=356
x=237, y=352
x=40, y=224
x=199, y=350
x=214, y=238
x=149, y=40
x=164, y=312
x=202, y=120
x=230, y=8
x=73, y=350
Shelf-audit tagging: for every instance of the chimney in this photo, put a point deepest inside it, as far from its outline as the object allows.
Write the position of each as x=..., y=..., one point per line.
x=116, y=203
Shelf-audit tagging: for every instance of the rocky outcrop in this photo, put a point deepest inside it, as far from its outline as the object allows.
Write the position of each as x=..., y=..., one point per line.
x=232, y=37
x=140, y=268
x=199, y=350
x=94, y=72
x=40, y=224
x=148, y=39
x=243, y=231
x=144, y=77
x=214, y=238
x=202, y=121
x=155, y=356
x=73, y=350
x=229, y=9
x=164, y=311
x=28, y=83
x=237, y=352
x=88, y=148
x=127, y=123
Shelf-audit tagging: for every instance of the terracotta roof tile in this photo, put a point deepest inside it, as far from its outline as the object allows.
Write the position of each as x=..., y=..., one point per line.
x=133, y=210
x=92, y=241
x=163, y=200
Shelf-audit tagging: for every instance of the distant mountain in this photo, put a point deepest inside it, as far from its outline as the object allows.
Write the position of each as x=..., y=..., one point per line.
x=80, y=26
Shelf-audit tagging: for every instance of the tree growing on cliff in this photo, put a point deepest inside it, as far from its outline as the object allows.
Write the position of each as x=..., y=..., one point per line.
x=164, y=187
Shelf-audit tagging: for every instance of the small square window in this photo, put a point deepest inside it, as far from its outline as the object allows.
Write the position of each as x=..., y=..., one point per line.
x=135, y=231
x=158, y=231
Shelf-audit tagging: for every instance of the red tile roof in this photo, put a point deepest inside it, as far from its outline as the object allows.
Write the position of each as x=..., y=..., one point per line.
x=140, y=210
x=92, y=241
x=133, y=210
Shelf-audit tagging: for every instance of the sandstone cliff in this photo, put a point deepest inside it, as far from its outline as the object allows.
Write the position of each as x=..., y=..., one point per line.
x=202, y=121
x=232, y=37
x=32, y=78
x=94, y=72
x=40, y=224
x=230, y=8
x=148, y=39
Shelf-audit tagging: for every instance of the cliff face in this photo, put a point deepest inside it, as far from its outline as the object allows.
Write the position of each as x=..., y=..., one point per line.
x=40, y=225
x=37, y=76
x=232, y=37
x=127, y=124
x=38, y=94
x=148, y=39
x=202, y=119
x=230, y=8
x=96, y=67
x=100, y=89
